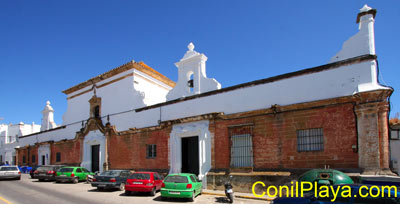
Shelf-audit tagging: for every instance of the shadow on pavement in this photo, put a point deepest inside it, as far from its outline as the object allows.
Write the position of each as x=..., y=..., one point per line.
x=221, y=200
x=107, y=190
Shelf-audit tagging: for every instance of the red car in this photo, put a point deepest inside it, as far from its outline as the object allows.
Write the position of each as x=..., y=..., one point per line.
x=143, y=182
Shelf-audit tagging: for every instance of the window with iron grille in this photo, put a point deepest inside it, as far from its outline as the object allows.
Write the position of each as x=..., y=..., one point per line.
x=58, y=156
x=241, y=146
x=310, y=140
x=33, y=158
x=151, y=151
x=23, y=159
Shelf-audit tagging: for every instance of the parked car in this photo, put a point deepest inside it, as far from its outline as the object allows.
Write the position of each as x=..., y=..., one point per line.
x=310, y=198
x=32, y=172
x=48, y=172
x=181, y=186
x=72, y=174
x=111, y=179
x=10, y=172
x=143, y=182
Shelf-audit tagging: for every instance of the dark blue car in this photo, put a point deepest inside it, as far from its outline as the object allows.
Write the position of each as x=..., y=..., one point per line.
x=356, y=192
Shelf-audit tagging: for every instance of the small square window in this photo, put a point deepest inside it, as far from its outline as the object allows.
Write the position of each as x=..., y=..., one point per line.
x=151, y=151
x=394, y=134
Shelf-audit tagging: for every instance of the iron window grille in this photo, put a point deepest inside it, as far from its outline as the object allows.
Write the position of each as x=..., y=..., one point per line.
x=151, y=151
x=310, y=140
x=241, y=146
x=58, y=156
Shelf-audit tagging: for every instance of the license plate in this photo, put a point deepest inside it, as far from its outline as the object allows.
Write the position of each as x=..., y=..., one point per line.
x=174, y=193
x=229, y=191
x=137, y=183
x=63, y=175
x=102, y=185
x=10, y=173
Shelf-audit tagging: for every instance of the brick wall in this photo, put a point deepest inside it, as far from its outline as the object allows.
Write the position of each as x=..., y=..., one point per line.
x=128, y=151
x=70, y=152
x=275, y=138
x=27, y=153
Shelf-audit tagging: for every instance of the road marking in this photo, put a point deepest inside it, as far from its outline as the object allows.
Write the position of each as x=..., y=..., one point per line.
x=6, y=201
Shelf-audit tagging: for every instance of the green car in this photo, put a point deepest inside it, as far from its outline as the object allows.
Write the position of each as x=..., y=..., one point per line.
x=72, y=174
x=181, y=186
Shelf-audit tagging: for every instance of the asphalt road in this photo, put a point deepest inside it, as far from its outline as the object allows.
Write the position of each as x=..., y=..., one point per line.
x=31, y=191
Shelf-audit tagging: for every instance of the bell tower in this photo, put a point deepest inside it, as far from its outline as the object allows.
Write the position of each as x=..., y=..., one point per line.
x=192, y=78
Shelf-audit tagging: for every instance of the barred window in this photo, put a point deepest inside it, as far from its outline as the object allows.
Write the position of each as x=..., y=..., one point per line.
x=310, y=140
x=58, y=156
x=241, y=146
x=151, y=151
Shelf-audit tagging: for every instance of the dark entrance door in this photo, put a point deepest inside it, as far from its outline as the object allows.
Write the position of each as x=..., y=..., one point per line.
x=95, y=158
x=190, y=155
x=43, y=160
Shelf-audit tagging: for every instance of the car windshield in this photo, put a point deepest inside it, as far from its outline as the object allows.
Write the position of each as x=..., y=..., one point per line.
x=140, y=176
x=66, y=170
x=9, y=168
x=110, y=173
x=176, y=179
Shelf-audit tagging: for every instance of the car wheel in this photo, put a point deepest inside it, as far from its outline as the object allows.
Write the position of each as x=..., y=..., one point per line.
x=41, y=180
x=192, y=198
x=153, y=192
x=19, y=178
x=76, y=180
x=122, y=187
x=57, y=181
x=100, y=188
x=164, y=198
x=128, y=193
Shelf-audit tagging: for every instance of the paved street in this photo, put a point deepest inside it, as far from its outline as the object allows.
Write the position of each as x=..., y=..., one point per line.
x=31, y=191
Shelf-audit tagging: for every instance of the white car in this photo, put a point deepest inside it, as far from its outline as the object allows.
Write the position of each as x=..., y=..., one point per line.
x=10, y=172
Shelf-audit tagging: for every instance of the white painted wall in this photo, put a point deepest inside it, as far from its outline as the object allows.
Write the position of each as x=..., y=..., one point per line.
x=8, y=138
x=361, y=43
x=93, y=138
x=180, y=131
x=130, y=93
x=44, y=150
x=192, y=67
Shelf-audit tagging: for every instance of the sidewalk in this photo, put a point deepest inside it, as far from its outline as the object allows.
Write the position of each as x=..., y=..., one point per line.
x=236, y=194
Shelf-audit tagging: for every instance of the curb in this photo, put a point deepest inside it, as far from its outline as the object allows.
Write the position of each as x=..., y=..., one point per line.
x=238, y=196
x=254, y=198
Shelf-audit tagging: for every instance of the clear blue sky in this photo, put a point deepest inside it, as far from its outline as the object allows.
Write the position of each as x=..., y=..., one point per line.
x=49, y=46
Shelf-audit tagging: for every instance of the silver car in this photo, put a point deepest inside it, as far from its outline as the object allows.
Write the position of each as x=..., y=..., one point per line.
x=10, y=172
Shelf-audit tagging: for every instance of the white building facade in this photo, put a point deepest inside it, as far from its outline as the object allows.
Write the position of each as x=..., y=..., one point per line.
x=120, y=118
x=9, y=134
